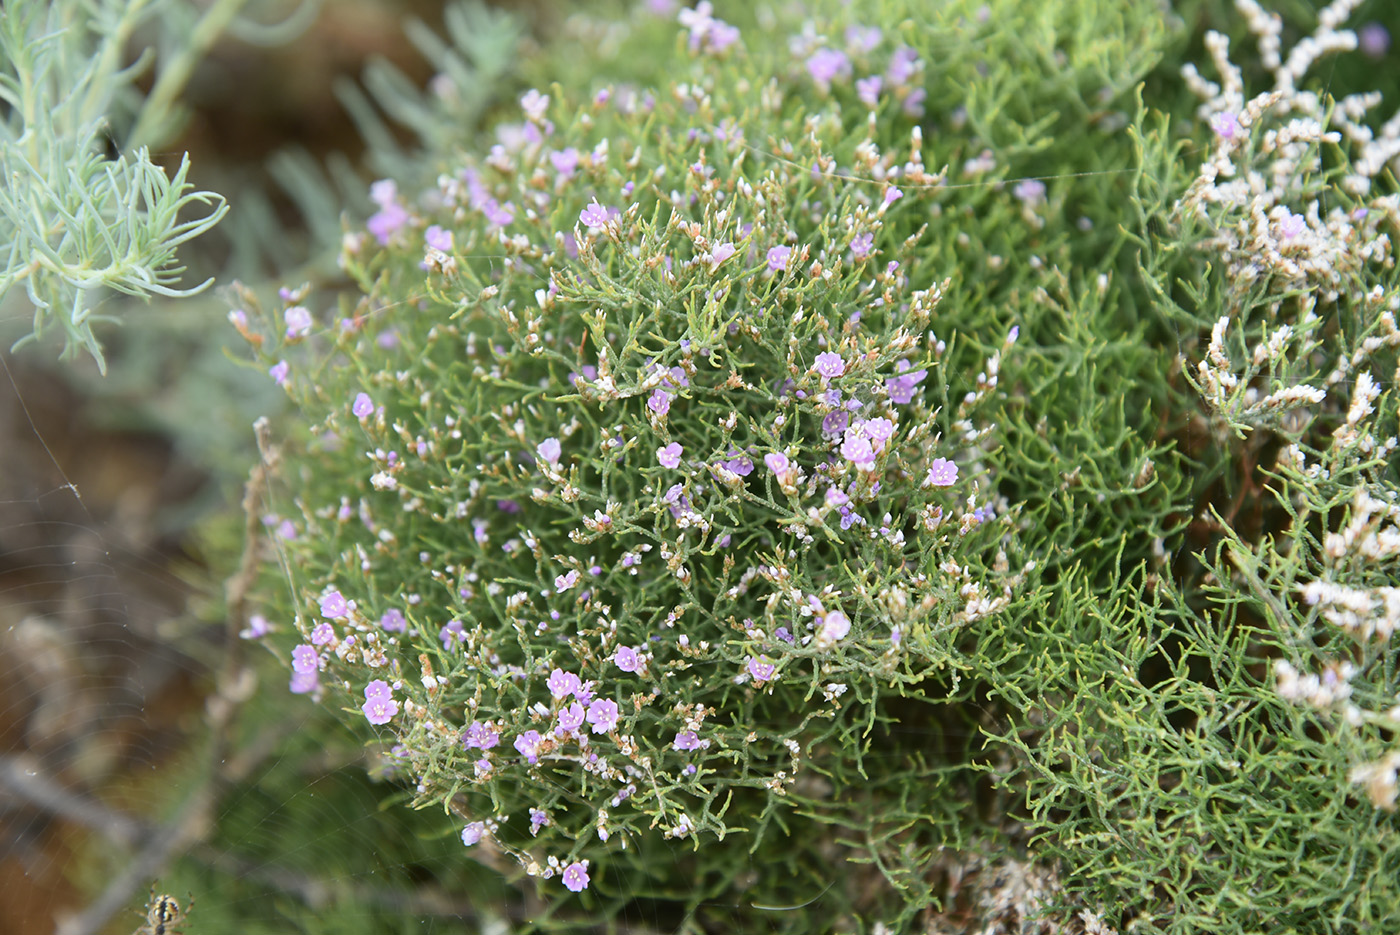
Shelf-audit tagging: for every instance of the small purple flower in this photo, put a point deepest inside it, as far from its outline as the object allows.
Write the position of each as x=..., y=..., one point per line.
x=687, y=740
x=565, y=161
x=904, y=64
x=384, y=223
x=892, y=195
x=778, y=258
x=298, y=319
x=334, y=605
x=602, y=715
x=528, y=745
x=670, y=456
x=322, y=634
x=1030, y=191
x=835, y=423
x=567, y=580
x=1225, y=124
x=783, y=634
x=393, y=621
x=570, y=717
x=381, y=706
x=278, y=372
x=626, y=659
x=877, y=430
x=760, y=671
x=480, y=736
x=595, y=215
x=826, y=65
x=720, y=253
x=739, y=464
x=305, y=659
x=363, y=406
x=863, y=38
x=472, y=833
x=304, y=682
x=829, y=364
x=1292, y=226
x=549, y=450
x=378, y=689
x=538, y=818
x=941, y=473
x=576, y=876
x=452, y=633
x=861, y=244
x=868, y=90
x=901, y=388
x=659, y=402
x=561, y=684
x=1373, y=39
x=835, y=496
x=438, y=239
x=257, y=627
x=534, y=104
x=856, y=449
x=777, y=462
x=835, y=626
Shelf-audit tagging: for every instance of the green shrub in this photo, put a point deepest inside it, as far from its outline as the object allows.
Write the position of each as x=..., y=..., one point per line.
x=720, y=478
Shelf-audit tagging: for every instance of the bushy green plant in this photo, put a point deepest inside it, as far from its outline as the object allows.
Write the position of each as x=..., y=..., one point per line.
x=723, y=473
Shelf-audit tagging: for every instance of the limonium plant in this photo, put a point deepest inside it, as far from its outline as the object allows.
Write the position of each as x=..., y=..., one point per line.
x=708, y=492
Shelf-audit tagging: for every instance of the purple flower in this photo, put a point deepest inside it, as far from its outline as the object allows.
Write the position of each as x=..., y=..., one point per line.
x=829, y=364
x=538, y=818
x=452, y=633
x=528, y=745
x=480, y=736
x=670, y=456
x=778, y=258
x=901, y=388
x=863, y=38
x=720, y=253
x=739, y=464
x=904, y=64
x=322, y=634
x=835, y=626
x=687, y=740
x=380, y=706
x=892, y=195
x=783, y=634
x=659, y=402
x=877, y=430
x=868, y=90
x=626, y=659
x=941, y=473
x=534, y=104
x=278, y=372
x=333, y=605
x=602, y=715
x=570, y=717
x=384, y=223
x=305, y=659
x=826, y=65
x=304, y=682
x=472, y=833
x=777, y=462
x=760, y=671
x=1292, y=225
x=438, y=239
x=393, y=621
x=565, y=161
x=856, y=449
x=561, y=684
x=549, y=450
x=1225, y=124
x=595, y=215
x=567, y=580
x=835, y=423
x=363, y=406
x=861, y=244
x=298, y=319
x=1373, y=39
x=576, y=876
x=1030, y=191
x=257, y=627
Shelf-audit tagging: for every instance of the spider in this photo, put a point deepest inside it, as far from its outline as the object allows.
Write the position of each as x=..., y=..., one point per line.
x=163, y=914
